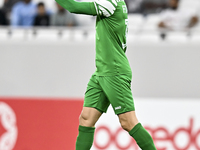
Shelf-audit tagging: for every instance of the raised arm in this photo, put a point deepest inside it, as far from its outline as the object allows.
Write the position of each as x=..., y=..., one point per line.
x=104, y=8
x=73, y=6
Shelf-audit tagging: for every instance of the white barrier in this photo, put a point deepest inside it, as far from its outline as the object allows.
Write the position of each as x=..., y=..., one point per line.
x=61, y=67
x=50, y=66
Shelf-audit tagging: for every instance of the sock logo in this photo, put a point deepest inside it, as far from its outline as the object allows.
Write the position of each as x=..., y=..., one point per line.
x=8, y=128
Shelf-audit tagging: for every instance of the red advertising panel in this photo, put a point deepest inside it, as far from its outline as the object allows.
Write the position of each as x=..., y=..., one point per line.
x=52, y=124
x=39, y=124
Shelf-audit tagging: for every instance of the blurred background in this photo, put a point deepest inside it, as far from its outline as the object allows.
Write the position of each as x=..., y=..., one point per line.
x=47, y=56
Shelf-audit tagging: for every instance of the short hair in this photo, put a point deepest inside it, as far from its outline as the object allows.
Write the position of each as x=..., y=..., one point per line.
x=40, y=4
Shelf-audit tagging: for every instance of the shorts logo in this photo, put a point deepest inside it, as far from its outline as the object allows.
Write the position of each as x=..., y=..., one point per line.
x=119, y=107
x=9, y=131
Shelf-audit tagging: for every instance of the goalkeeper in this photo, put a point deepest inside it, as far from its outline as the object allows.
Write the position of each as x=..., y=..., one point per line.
x=111, y=82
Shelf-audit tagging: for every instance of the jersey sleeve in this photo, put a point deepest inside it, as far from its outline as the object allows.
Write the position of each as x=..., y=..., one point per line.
x=105, y=8
x=87, y=8
x=98, y=7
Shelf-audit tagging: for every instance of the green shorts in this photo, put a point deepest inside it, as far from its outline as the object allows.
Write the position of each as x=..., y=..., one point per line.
x=105, y=90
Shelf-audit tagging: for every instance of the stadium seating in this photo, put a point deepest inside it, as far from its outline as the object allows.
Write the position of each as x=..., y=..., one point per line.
x=140, y=28
x=135, y=21
x=190, y=4
x=151, y=22
x=3, y=33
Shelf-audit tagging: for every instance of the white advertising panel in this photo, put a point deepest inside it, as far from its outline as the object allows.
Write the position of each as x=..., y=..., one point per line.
x=173, y=123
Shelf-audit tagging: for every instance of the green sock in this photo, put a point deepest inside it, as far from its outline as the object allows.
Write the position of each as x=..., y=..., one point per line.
x=142, y=137
x=85, y=138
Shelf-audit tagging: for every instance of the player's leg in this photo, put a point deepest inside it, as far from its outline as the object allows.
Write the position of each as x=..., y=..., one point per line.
x=95, y=103
x=89, y=116
x=118, y=91
x=129, y=122
x=87, y=120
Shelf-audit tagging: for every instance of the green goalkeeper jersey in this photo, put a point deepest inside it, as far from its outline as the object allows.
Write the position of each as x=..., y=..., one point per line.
x=111, y=33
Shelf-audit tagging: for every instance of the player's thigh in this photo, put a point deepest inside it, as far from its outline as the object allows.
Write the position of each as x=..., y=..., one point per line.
x=118, y=91
x=128, y=120
x=95, y=96
x=89, y=116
